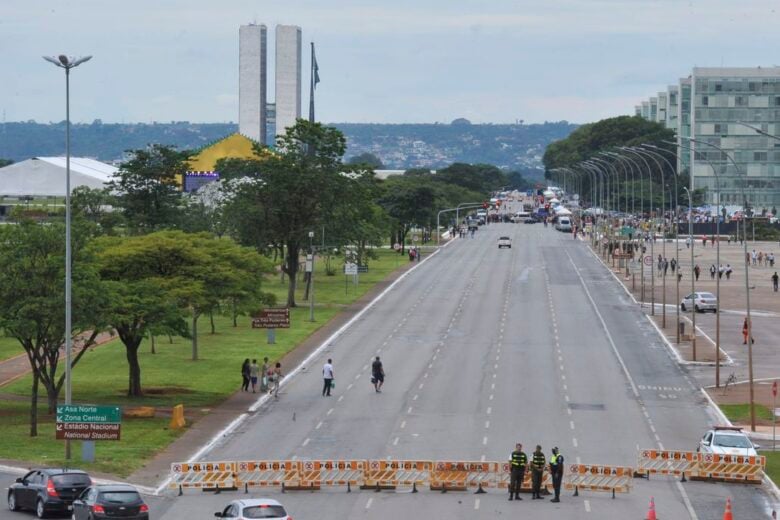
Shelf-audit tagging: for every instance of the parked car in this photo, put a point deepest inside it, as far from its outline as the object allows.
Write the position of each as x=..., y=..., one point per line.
x=254, y=508
x=727, y=440
x=47, y=491
x=700, y=302
x=504, y=242
x=110, y=501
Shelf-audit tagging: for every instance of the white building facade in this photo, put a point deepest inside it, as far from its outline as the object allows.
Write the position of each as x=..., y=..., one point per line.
x=252, y=81
x=288, y=76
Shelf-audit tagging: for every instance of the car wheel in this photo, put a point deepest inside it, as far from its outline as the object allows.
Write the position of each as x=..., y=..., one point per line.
x=682, y=307
x=40, y=511
x=12, y=505
x=696, y=308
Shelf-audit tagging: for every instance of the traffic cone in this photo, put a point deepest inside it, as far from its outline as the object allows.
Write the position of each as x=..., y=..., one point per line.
x=651, y=511
x=727, y=513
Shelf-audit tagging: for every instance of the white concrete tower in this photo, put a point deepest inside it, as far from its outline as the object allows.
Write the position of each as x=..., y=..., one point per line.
x=252, y=81
x=288, y=76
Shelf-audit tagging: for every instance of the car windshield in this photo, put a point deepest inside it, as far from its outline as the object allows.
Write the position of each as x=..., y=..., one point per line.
x=264, y=512
x=504, y=238
x=71, y=479
x=732, y=441
x=120, y=497
x=707, y=296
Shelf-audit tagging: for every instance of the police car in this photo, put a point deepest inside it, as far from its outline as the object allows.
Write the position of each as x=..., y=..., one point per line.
x=727, y=440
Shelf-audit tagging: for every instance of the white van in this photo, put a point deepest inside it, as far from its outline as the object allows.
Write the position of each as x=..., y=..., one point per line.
x=521, y=216
x=563, y=224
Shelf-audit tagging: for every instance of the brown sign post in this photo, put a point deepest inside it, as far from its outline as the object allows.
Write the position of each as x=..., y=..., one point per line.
x=272, y=318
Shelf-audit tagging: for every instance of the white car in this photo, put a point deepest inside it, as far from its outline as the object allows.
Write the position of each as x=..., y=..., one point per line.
x=254, y=508
x=505, y=242
x=727, y=440
x=700, y=302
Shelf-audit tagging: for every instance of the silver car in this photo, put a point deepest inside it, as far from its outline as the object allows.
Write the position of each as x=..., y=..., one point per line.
x=699, y=302
x=254, y=508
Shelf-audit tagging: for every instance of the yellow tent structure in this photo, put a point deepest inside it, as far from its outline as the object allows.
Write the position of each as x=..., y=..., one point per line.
x=234, y=146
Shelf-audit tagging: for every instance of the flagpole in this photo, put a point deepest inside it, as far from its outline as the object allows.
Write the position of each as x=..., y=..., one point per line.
x=311, y=86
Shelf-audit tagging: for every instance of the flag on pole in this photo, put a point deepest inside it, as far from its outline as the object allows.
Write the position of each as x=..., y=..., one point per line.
x=315, y=67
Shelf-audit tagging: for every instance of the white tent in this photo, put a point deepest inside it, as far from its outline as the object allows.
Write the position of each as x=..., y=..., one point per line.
x=45, y=176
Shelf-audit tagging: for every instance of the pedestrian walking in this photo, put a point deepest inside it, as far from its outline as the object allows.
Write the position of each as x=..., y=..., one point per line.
x=264, y=373
x=327, y=376
x=754, y=258
x=713, y=270
x=771, y=259
x=556, y=470
x=254, y=370
x=518, y=461
x=688, y=243
x=276, y=378
x=704, y=241
x=728, y=271
x=697, y=272
x=537, y=468
x=673, y=265
x=666, y=266
x=760, y=258
x=245, y=375
x=775, y=279
x=747, y=330
x=377, y=374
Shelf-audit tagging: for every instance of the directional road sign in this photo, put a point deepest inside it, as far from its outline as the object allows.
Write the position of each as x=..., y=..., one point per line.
x=88, y=422
x=87, y=413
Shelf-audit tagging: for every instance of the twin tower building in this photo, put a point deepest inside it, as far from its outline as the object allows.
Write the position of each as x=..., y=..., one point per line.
x=255, y=114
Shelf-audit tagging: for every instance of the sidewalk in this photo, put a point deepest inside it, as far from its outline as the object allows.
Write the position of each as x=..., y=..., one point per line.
x=216, y=419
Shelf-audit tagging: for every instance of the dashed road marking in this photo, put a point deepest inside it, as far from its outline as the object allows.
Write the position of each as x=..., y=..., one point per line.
x=476, y=503
x=484, y=441
x=574, y=441
x=403, y=424
x=586, y=503
x=306, y=441
x=368, y=504
x=330, y=411
x=395, y=442
x=319, y=425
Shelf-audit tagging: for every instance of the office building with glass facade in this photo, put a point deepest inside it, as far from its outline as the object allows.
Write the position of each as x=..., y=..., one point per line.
x=710, y=106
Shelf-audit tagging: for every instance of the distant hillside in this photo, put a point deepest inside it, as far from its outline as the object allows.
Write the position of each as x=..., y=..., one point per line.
x=514, y=147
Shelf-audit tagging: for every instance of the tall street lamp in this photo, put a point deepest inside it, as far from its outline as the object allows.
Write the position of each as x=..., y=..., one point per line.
x=747, y=274
x=67, y=63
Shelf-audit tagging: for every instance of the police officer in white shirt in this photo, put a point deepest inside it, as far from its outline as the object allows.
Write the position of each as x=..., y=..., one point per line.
x=327, y=375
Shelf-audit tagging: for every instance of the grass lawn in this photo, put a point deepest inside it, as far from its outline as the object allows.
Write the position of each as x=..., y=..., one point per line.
x=170, y=377
x=741, y=412
x=772, y=465
x=9, y=347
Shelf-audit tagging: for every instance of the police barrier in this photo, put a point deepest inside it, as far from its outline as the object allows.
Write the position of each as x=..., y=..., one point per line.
x=339, y=473
x=459, y=476
x=616, y=479
x=203, y=475
x=269, y=473
x=702, y=466
x=667, y=462
x=730, y=468
x=389, y=474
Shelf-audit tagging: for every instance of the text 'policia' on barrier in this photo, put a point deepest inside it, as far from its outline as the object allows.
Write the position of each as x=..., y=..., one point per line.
x=455, y=475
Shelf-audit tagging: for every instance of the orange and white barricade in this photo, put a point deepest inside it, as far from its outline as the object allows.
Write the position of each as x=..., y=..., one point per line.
x=388, y=474
x=342, y=472
x=667, y=462
x=269, y=473
x=461, y=475
x=616, y=479
x=203, y=475
x=730, y=468
x=504, y=475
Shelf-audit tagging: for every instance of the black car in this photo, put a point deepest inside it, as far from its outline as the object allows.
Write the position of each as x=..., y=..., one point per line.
x=110, y=501
x=47, y=491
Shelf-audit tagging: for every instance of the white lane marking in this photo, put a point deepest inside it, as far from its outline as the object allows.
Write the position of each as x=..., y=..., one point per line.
x=491, y=397
x=568, y=410
x=403, y=424
x=566, y=397
x=357, y=376
x=341, y=398
x=415, y=397
x=489, y=410
x=579, y=461
x=306, y=441
x=482, y=459
x=421, y=386
x=349, y=386
x=493, y=386
x=484, y=440
x=571, y=424
x=565, y=387
x=365, y=367
x=395, y=442
x=494, y=376
x=487, y=424
x=430, y=365
x=319, y=425
x=330, y=411
x=368, y=504
x=574, y=441
x=409, y=411
x=425, y=375
x=586, y=503
x=476, y=503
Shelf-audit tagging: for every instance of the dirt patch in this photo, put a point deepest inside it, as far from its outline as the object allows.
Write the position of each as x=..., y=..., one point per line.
x=167, y=390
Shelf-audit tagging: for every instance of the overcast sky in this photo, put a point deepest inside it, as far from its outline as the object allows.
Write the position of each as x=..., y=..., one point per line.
x=388, y=61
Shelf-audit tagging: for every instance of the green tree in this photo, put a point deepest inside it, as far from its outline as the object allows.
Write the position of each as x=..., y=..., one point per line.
x=409, y=201
x=367, y=159
x=5, y=162
x=482, y=178
x=295, y=192
x=32, y=296
x=148, y=187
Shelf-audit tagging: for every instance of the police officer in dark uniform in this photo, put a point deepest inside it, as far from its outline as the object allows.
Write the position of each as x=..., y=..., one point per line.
x=556, y=470
x=537, y=469
x=518, y=461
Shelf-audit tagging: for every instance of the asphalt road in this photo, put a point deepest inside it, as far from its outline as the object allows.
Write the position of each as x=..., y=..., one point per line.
x=484, y=348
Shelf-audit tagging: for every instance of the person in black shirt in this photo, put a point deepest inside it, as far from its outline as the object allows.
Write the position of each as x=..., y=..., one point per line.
x=518, y=461
x=537, y=469
x=556, y=470
x=377, y=374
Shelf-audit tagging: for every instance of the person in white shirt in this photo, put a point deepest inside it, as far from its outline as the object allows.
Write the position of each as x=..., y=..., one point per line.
x=327, y=376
